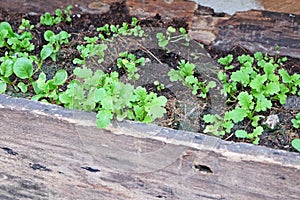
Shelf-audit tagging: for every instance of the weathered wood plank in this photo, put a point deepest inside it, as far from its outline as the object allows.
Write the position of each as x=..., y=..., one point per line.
x=44, y=154
x=261, y=31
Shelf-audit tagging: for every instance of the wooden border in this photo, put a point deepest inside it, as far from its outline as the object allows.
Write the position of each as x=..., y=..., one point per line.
x=48, y=152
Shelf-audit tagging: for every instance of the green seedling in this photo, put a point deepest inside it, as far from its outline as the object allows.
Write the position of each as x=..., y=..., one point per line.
x=254, y=136
x=159, y=86
x=110, y=98
x=169, y=37
x=218, y=125
x=15, y=42
x=124, y=30
x=48, y=20
x=91, y=49
x=54, y=45
x=185, y=74
x=262, y=81
x=25, y=25
x=129, y=63
x=296, y=121
x=48, y=89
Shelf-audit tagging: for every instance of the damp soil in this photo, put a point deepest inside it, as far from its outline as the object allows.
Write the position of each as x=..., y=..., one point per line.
x=179, y=100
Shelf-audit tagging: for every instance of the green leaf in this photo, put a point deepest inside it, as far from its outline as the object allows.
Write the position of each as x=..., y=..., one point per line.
x=241, y=134
x=2, y=87
x=99, y=94
x=258, y=83
x=6, y=26
x=226, y=60
x=6, y=68
x=23, y=68
x=83, y=72
x=243, y=59
x=46, y=51
x=103, y=118
x=272, y=88
x=237, y=115
x=262, y=103
x=255, y=121
x=258, y=56
x=60, y=77
x=65, y=98
x=163, y=43
x=171, y=29
x=241, y=77
x=246, y=101
x=208, y=118
x=157, y=111
x=22, y=87
x=296, y=144
x=286, y=78
x=269, y=68
x=48, y=35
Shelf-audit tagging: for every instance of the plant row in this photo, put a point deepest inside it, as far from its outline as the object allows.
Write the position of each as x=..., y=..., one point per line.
x=252, y=88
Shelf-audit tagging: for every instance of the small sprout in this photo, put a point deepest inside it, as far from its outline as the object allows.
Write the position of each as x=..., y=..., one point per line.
x=159, y=86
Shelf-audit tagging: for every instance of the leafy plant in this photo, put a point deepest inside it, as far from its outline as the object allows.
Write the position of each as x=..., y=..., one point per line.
x=55, y=42
x=25, y=25
x=48, y=20
x=91, y=49
x=129, y=62
x=126, y=29
x=159, y=86
x=218, y=125
x=48, y=89
x=169, y=37
x=185, y=74
x=261, y=82
x=296, y=121
x=109, y=97
x=254, y=136
x=14, y=42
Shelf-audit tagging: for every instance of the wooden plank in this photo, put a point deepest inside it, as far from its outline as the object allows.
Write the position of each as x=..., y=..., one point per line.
x=47, y=152
x=261, y=31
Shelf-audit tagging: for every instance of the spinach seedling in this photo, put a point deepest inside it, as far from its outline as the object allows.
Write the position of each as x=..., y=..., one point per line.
x=48, y=20
x=25, y=25
x=129, y=62
x=15, y=42
x=296, y=121
x=48, y=89
x=159, y=86
x=185, y=74
x=92, y=48
x=169, y=37
x=55, y=41
x=262, y=81
x=254, y=136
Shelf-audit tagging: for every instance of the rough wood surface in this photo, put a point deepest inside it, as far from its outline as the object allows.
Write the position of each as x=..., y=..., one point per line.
x=45, y=156
x=261, y=31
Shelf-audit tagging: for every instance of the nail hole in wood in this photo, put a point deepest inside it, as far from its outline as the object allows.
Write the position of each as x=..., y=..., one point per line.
x=203, y=168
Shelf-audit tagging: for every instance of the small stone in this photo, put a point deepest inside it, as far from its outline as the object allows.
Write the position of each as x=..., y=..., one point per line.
x=272, y=121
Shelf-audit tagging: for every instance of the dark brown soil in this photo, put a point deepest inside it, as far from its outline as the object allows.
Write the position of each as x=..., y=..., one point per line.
x=86, y=24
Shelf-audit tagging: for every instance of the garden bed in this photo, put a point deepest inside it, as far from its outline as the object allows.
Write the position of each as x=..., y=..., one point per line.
x=127, y=151
x=184, y=111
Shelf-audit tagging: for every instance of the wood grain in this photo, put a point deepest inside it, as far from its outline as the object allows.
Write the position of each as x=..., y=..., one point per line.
x=45, y=155
x=261, y=31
